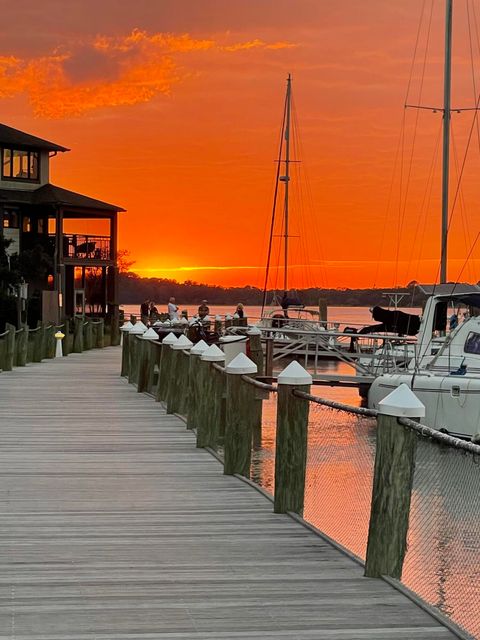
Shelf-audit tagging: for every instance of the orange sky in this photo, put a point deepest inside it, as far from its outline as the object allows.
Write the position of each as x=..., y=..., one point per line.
x=172, y=110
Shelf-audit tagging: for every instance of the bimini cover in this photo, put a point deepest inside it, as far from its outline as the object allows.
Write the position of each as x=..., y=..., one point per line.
x=397, y=321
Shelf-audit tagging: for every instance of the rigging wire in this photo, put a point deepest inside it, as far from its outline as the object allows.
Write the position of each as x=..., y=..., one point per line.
x=403, y=208
x=399, y=144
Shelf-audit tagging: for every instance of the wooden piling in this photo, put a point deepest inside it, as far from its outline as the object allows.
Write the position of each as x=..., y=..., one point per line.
x=155, y=355
x=125, y=355
x=269, y=356
x=37, y=351
x=207, y=415
x=78, y=334
x=88, y=335
x=183, y=383
x=240, y=416
x=50, y=341
x=67, y=341
x=165, y=367
x=21, y=346
x=391, y=495
x=291, y=439
x=100, y=337
x=144, y=355
x=194, y=390
x=9, y=353
x=2, y=349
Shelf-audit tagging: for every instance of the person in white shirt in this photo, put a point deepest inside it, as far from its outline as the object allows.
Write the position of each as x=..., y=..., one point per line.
x=172, y=309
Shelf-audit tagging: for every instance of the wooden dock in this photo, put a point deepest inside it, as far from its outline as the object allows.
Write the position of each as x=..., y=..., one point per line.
x=115, y=527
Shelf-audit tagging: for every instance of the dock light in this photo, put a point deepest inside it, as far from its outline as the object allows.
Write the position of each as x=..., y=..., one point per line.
x=59, y=336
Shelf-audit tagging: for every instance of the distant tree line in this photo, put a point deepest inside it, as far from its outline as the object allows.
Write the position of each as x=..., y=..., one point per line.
x=134, y=290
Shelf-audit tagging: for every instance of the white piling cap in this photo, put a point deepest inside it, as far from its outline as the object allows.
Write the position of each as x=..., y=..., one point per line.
x=241, y=365
x=171, y=338
x=235, y=315
x=254, y=331
x=403, y=403
x=138, y=328
x=228, y=316
x=150, y=334
x=199, y=348
x=218, y=317
x=126, y=326
x=182, y=343
x=294, y=373
x=213, y=354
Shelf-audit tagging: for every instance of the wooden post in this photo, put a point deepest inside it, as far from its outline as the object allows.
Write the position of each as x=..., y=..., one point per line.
x=2, y=349
x=323, y=310
x=392, y=484
x=184, y=383
x=218, y=325
x=165, y=367
x=88, y=335
x=228, y=322
x=100, y=343
x=194, y=390
x=37, y=351
x=66, y=340
x=176, y=379
x=78, y=334
x=255, y=348
x=269, y=356
x=291, y=440
x=208, y=415
x=51, y=343
x=9, y=355
x=21, y=346
x=240, y=416
x=125, y=355
x=154, y=363
x=134, y=351
x=31, y=341
x=145, y=359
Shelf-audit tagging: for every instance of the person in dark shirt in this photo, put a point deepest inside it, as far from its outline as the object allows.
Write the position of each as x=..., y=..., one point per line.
x=144, y=311
x=239, y=310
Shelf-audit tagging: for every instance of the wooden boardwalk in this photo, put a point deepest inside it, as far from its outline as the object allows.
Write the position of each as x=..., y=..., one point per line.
x=115, y=527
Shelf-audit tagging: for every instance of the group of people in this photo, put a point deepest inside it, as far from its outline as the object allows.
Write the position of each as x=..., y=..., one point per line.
x=149, y=311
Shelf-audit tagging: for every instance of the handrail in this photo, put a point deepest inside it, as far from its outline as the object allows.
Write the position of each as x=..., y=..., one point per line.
x=440, y=436
x=258, y=384
x=339, y=406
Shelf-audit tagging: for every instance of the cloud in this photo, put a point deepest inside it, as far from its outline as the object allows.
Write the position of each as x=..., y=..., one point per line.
x=110, y=71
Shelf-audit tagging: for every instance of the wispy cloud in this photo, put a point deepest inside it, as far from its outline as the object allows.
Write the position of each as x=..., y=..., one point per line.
x=110, y=71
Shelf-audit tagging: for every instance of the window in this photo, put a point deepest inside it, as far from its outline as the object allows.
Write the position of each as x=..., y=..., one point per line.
x=472, y=343
x=20, y=165
x=10, y=219
x=27, y=224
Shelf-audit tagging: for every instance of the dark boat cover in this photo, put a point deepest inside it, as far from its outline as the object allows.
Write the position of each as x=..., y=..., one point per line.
x=397, y=321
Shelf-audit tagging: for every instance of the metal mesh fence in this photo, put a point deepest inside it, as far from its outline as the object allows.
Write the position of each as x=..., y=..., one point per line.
x=339, y=476
x=442, y=561
x=262, y=470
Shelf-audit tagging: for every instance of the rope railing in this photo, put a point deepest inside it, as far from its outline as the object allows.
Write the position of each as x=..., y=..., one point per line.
x=339, y=406
x=259, y=385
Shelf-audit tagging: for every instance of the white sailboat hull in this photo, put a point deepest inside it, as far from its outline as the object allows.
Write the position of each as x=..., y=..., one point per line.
x=451, y=402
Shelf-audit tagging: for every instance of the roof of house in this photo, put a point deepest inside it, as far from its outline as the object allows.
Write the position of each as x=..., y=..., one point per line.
x=51, y=194
x=15, y=138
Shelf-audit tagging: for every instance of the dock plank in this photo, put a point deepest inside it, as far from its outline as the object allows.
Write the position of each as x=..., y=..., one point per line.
x=113, y=526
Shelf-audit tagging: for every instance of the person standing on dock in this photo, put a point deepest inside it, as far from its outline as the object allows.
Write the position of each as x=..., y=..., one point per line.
x=239, y=310
x=203, y=310
x=144, y=310
x=172, y=310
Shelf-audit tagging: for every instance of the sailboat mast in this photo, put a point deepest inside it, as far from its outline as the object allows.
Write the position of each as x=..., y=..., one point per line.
x=286, y=179
x=447, y=81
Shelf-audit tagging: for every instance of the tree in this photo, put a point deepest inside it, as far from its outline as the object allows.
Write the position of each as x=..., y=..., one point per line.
x=123, y=261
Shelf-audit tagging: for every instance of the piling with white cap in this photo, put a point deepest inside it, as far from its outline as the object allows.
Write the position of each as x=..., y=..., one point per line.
x=291, y=439
x=165, y=366
x=125, y=330
x=178, y=379
x=146, y=353
x=194, y=389
x=392, y=483
x=240, y=416
x=208, y=413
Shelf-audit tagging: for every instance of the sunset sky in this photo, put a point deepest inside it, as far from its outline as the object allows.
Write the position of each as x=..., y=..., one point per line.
x=172, y=109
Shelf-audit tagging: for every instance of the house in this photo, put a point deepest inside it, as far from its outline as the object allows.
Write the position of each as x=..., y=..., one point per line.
x=79, y=233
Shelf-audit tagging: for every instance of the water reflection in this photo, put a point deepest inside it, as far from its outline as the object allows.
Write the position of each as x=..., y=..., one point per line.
x=441, y=563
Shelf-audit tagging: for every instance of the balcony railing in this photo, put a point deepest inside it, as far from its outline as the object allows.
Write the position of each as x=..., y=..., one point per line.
x=85, y=247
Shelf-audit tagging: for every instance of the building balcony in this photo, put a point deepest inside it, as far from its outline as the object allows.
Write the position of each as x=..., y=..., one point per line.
x=86, y=247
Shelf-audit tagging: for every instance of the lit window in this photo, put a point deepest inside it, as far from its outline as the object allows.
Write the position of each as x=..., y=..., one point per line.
x=27, y=225
x=20, y=165
x=10, y=219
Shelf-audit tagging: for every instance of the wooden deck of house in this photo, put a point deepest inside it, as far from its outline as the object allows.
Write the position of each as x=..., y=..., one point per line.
x=115, y=527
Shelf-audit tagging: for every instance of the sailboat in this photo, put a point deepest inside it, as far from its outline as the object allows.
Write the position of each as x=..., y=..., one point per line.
x=444, y=372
